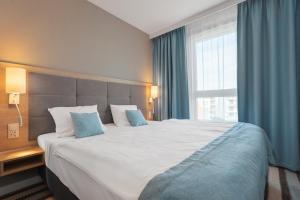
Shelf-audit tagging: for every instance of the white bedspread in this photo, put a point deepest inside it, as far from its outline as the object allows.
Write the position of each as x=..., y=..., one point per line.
x=119, y=163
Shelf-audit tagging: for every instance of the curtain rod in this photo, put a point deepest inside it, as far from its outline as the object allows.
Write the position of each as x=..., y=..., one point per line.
x=218, y=8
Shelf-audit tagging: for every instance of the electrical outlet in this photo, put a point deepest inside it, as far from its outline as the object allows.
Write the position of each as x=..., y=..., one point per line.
x=13, y=130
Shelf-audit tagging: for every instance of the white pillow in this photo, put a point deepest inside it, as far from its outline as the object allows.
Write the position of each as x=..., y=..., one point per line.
x=63, y=121
x=119, y=114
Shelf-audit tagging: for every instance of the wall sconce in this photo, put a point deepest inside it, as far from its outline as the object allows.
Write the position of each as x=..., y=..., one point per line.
x=15, y=79
x=154, y=95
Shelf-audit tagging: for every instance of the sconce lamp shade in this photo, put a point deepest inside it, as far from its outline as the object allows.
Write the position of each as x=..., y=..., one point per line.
x=154, y=91
x=15, y=80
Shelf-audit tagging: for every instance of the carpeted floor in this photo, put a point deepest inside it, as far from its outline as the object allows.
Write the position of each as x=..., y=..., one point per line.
x=38, y=191
x=282, y=185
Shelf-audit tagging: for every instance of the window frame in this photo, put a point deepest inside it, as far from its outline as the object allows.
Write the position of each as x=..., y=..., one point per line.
x=231, y=92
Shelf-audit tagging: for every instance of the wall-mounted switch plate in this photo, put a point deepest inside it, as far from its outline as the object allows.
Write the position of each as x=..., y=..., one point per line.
x=13, y=130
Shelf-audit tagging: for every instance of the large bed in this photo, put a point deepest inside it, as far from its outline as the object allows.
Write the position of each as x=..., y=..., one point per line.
x=172, y=159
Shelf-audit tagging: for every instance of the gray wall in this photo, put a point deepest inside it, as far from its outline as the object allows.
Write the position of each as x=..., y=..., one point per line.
x=73, y=35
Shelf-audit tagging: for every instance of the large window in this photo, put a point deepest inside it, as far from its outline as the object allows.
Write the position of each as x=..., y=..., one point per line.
x=213, y=73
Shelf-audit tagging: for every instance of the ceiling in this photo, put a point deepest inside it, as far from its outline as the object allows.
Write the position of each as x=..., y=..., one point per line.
x=152, y=16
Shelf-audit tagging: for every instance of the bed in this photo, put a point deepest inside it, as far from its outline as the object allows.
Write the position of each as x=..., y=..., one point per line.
x=172, y=159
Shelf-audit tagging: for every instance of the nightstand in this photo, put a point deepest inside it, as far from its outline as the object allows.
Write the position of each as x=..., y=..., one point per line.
x=21, y=160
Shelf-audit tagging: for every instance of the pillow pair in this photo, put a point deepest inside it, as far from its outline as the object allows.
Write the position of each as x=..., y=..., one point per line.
x=126, y=115
x=81, y=121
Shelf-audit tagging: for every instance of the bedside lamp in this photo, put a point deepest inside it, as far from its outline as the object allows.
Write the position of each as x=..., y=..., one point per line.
x=154, y=95
x=15, y=79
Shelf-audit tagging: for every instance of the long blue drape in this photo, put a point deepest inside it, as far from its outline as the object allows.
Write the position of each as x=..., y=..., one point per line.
x=269, y=73
x=170, y=74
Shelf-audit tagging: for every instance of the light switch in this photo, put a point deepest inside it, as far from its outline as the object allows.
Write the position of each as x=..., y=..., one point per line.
x=13, y=130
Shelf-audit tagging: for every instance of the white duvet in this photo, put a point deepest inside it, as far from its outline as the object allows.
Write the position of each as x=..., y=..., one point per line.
x=120, y=163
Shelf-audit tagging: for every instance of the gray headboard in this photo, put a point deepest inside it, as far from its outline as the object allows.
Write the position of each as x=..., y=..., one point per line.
x=46, y=91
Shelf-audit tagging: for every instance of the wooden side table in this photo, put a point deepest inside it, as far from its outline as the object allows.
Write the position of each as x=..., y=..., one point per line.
x=21, y=160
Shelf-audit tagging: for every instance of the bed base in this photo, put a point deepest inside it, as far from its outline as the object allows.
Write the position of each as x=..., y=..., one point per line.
x=57, y=188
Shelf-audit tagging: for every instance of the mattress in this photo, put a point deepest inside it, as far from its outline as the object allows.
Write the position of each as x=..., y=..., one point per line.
x=120, y=163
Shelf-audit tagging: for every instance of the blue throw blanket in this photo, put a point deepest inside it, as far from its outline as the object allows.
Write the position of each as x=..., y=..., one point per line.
x=232, y=167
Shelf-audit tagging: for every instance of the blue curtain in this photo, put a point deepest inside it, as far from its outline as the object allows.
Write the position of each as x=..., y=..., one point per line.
x=269, y=73
x=170, y=74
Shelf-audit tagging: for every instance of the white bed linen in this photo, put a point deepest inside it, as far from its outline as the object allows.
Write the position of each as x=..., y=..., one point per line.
x=120, y=163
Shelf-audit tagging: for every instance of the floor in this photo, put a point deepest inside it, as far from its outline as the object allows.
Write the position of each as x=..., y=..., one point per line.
x=283, y=184
x=38, y=191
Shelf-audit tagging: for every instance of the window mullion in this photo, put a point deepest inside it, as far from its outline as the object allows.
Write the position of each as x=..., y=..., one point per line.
x=216, y=93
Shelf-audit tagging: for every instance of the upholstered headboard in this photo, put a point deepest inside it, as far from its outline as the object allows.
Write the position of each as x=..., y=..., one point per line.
x=46, y=91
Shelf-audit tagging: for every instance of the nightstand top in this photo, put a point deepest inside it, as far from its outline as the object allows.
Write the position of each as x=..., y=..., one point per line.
x=20, y=153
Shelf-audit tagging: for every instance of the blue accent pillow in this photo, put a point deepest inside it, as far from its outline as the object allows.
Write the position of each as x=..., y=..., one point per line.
x=86, y=124
x=136, y=118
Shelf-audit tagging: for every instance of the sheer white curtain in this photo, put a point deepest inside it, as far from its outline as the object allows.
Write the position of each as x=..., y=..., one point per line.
x=212, y=65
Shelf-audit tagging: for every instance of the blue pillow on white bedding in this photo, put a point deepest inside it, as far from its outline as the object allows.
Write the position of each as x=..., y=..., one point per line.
x=86, y=124
x=136, y=118
x=63, y=121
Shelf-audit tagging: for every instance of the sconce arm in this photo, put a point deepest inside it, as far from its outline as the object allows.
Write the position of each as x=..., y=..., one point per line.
x=20, y=116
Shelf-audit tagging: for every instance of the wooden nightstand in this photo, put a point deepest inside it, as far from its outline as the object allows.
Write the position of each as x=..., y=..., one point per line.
x=21, y=160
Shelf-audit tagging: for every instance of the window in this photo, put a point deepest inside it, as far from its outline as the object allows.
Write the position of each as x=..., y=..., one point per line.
x=213, y=71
